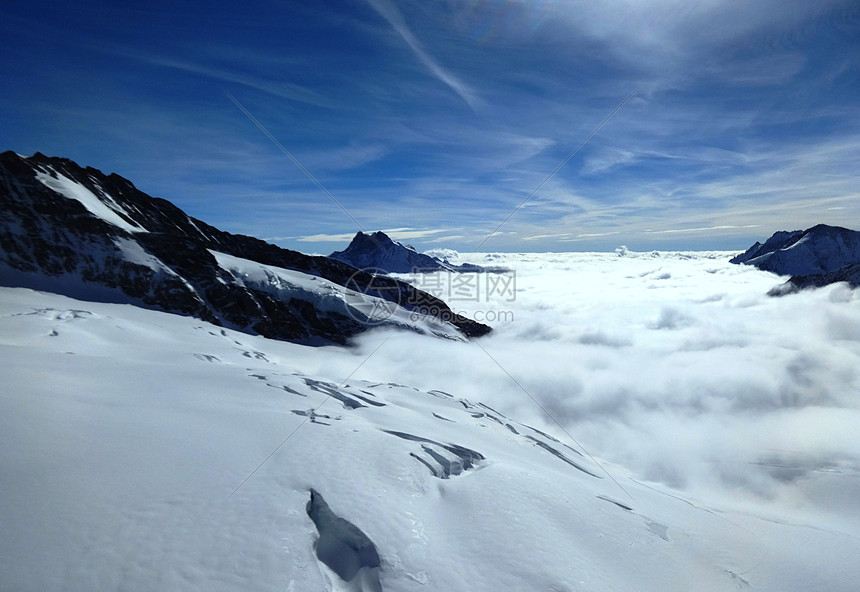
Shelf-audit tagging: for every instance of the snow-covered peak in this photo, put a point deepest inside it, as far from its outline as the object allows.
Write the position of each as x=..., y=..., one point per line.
x=449, y=256
x=820, y=249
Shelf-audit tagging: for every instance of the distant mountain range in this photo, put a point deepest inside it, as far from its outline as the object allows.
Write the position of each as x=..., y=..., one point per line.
x=79, y=232
x=378, y=251
x=814, y=257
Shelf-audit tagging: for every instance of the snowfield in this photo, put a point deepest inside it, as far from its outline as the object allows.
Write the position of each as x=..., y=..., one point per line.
x=146, y=451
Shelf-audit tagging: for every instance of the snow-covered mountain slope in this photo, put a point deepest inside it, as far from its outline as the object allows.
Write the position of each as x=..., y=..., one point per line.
x=77, y=231
x=327, y=298
x=821, y=249
x=147, y=451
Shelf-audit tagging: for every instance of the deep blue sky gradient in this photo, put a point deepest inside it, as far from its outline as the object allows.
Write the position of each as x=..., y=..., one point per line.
x=436, y=119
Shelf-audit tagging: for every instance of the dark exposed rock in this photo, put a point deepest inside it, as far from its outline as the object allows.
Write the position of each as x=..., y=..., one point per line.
x=777, y=241
x=816, y=250
x=378, y=251
x=815, y=257
x=53, y=238
x=849, y=274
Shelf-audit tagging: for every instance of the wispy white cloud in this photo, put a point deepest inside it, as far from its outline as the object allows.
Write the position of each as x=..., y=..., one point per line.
x=392, y=14
x=561, y=235
x=768, y=186
x=239, y=74
x=705, y=229
x=410, y=233
x=445, y=239
x=765, y=70
x=583, y=236
x=354, y=155
x=394, y=233
x=671, y=36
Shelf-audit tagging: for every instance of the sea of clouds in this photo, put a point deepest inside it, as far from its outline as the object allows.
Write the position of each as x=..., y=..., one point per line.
x=670, y=368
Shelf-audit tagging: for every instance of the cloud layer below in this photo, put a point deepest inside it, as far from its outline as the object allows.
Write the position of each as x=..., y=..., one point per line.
x=677, y=367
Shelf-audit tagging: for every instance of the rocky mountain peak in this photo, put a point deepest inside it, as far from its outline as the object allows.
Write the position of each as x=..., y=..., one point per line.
x=379, y=251
x=814, y=257
x=67, y=228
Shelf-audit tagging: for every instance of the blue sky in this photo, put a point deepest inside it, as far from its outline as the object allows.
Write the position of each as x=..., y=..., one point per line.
x=436, y=119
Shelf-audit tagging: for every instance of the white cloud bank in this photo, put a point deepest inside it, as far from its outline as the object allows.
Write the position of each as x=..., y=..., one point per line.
x=676, y=366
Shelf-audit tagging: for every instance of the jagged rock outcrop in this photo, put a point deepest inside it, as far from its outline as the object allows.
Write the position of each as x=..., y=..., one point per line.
x=820, y=249
x=378, y=251
x=815, y=257
x=66, y=227
x=850, y=274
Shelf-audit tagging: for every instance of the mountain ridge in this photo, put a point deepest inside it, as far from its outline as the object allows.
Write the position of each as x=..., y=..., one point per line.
x=60, y=221
x=815, y=257
x=380, y=252
x=818, y=249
